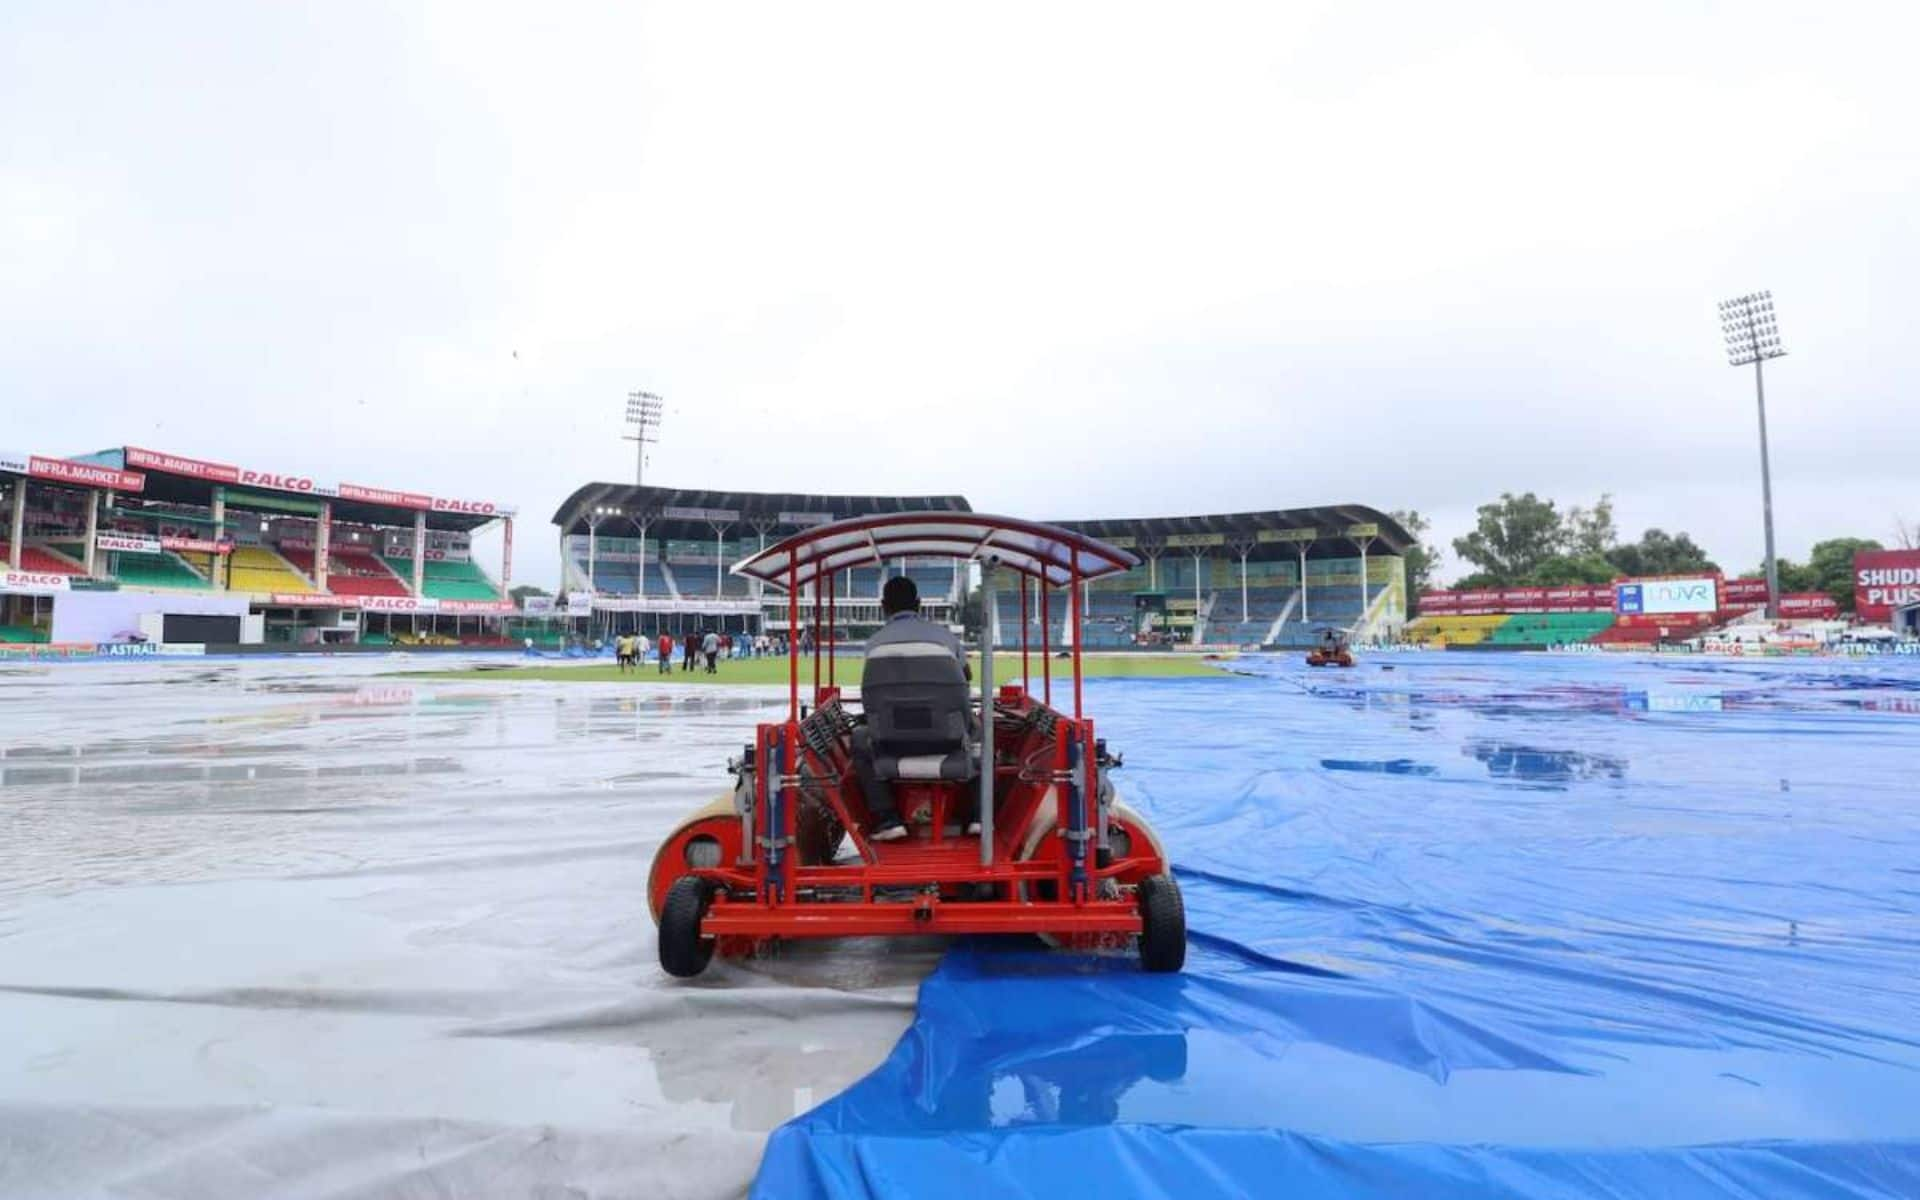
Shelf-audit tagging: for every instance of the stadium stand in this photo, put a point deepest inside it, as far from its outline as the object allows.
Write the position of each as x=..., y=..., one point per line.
x=42, y=561
x=615, y=578
x=357, y=571
x=156, y=570
x=448, y=580
x=258, y=569
x=22, y=633
x=1454, y=631
x=1549, y=629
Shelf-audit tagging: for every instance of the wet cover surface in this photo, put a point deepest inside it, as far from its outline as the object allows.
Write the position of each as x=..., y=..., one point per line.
x=1461, y=925
x=291, y=928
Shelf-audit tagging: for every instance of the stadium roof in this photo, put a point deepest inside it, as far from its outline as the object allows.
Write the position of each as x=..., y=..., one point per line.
x=691, y=513
x=1281, y=530
x=174, y=478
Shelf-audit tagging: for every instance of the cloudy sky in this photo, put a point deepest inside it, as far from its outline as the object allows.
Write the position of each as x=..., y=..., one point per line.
x=1071, y=260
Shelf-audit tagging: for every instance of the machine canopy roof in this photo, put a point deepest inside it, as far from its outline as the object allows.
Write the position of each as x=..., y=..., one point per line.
x=1041, y=551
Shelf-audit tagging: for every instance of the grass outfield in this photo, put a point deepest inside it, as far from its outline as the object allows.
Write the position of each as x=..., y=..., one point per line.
x=774, y=670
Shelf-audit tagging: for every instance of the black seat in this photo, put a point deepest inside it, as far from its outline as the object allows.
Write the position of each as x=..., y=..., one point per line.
x=919, y=717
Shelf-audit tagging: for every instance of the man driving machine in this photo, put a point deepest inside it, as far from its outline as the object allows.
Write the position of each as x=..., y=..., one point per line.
x=913, y=690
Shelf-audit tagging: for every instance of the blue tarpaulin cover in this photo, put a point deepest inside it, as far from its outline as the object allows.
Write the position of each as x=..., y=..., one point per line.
x=1461, y=926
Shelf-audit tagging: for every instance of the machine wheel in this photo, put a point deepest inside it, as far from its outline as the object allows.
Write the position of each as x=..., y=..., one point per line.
x=1163, y=924
x=683, y=952
x=669, y=866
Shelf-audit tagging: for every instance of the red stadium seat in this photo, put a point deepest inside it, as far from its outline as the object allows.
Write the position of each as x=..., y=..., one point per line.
x=33, y=558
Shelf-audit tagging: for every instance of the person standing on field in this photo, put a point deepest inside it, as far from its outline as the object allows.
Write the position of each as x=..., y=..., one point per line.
x=666, y=654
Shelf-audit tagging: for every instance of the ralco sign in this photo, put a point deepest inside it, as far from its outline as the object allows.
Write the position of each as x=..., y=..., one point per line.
x=481, y=508
x=267, y=479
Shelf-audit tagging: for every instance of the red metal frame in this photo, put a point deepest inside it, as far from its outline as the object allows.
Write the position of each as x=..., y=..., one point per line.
x=1045, y=784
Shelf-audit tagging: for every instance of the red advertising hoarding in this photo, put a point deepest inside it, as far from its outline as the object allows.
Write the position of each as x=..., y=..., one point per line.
x=374, y=495
x=174, y=464
x=86, y=474
x=399, y=499
x=1475, y=601
x=1809, y=606
x=1884, y=580
x=213, y=472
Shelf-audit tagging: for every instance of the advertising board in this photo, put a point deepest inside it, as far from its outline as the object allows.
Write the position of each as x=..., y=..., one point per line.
x=1187, y=540
x=1884, y=580
x=1682, y=594
x=87, y=474
x=721, y=516
x=1809, y=606
x=124, y=543
x=33, y=583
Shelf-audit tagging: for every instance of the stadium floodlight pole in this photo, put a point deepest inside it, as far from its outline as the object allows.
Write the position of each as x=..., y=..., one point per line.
x=1753, y=336
x=644, y=410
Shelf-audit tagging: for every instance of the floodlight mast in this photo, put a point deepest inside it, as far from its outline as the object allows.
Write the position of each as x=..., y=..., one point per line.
x=644, y=410
x=1753, y=336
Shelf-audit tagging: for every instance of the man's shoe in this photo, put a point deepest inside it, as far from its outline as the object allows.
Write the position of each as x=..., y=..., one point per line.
x=888, y=831
x=973, y=829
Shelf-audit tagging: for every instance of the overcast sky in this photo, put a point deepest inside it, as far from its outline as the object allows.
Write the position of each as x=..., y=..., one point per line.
x=1071, y=261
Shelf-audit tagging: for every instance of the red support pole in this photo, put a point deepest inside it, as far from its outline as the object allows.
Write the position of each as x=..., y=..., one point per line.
x=1046, y=642
x=1026, y=678
x=816, y=639
x=1073, y=602
x=833, y=602
x=793, y=643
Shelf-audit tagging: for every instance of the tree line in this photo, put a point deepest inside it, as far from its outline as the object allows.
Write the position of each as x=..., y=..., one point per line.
x=1525, y=541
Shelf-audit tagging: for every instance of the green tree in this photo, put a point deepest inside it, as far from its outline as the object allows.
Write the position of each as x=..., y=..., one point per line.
x=1660, y=553
x=1420, y=556
x=1589, y=532
x=1564, y=569
x=519, y=594
x=1794, y=577
x=1831, y=563
x=1476, y=581
x=1512, y=537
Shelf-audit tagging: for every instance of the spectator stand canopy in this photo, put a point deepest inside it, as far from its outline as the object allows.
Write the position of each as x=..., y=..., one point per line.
x=1293, y=568
x=662, y=550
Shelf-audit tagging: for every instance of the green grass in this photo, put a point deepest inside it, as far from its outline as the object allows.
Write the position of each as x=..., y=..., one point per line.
x=1006, y=668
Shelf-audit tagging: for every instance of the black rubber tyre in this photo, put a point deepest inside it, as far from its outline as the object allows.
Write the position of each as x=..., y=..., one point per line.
x=683, y=952
x=1163, y=925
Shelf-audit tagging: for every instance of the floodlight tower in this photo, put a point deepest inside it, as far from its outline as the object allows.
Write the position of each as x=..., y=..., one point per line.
x=1753, y=336
x=643, y=413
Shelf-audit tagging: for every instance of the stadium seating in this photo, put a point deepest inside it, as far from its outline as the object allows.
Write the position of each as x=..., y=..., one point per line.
x=615, y=578
x=1264, y=606
x=22, y=633
x=1549, y=629
x=256, y=569
x=1627, y=635
x=356, y=571
x=156, y=570
x=42, y=561
x=934, y=583
x=445, y=580
x=1454, y=631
